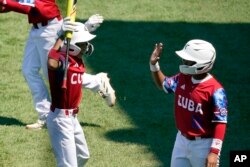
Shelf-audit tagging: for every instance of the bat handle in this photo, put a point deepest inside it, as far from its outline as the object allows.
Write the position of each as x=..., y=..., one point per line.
x=64, y=82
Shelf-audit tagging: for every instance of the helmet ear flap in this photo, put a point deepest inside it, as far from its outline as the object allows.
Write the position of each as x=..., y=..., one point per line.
x=74, y=50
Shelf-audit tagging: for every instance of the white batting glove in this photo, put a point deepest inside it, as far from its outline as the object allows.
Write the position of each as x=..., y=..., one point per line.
x=69, y=25
x=94, y=22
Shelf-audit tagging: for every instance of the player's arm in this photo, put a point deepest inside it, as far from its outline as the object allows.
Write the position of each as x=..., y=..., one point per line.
x=14, y=5
x=157, y=74
x=54, y=55
x=213, y=156
x=219, y=121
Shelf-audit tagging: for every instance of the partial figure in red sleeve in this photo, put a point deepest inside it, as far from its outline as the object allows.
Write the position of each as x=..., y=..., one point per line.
x=200, y=104
x=66, y=134
x=46, y=21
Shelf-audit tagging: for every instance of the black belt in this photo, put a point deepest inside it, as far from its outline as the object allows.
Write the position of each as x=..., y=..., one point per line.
x=195, y=137
x=44, y=23
x=38, y=25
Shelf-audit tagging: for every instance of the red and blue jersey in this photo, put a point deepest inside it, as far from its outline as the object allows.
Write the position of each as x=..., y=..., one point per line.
x=69, y=98
x=37, y=10
x=198, y=105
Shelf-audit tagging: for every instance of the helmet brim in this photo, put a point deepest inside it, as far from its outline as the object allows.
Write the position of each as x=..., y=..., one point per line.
x=81, y=35
x=182, y=54
x=89, y=37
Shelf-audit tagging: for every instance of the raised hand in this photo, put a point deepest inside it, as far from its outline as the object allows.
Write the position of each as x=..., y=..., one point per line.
x=94, y=22
x=156, y=54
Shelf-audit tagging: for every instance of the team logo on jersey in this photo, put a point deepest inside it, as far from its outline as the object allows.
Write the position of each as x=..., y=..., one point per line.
x=189, y=104
x=220, y=115
x=76, y=78
x=223, y=112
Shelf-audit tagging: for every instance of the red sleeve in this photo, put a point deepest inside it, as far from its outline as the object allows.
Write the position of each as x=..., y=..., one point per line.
x=16, y=7
x=220, y=130
x=41, y=12
x=54, y=54
x=219, y=133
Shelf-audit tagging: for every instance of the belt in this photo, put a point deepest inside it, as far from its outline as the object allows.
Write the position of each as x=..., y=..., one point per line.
x=45, y=23
x=195, y=137
x=66, y=111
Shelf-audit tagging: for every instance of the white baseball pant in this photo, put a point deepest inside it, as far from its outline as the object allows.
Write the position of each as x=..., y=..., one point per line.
x=39, y=43
x=67, y=139
x=190, y=153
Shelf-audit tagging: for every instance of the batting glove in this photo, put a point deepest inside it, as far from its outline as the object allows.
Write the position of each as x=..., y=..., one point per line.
x=105, y=89
x=94, y=22
x=69, y=25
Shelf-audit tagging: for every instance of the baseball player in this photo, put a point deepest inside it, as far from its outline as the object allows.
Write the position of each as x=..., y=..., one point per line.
x=66, y=135
x=200, y=105
x=46, y=23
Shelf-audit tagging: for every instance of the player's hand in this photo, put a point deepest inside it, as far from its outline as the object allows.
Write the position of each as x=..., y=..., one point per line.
x=94, y=22
x=156, y=54
x=69, y=25
x=212, y=160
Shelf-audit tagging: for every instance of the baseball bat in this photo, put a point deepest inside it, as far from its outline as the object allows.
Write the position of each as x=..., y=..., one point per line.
x=70, y=12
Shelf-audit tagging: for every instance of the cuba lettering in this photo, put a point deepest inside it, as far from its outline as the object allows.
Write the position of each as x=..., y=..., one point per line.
x=189, y=105
x=76, y=78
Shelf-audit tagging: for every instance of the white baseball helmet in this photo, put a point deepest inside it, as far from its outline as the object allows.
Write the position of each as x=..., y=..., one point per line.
x=79, y=36
x=199, y=51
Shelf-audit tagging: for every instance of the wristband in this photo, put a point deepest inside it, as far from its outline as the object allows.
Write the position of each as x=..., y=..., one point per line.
x=154, y=68
x=216, y=146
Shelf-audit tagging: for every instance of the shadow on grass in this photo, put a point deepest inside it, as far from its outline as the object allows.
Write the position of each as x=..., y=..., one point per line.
x=123, y=49
x=89, y=124
x=10, y=121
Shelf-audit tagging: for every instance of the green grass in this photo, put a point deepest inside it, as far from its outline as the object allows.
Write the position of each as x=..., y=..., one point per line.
x=139, y=131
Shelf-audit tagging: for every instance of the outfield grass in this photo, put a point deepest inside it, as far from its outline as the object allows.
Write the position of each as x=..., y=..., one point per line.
x=139, y=131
